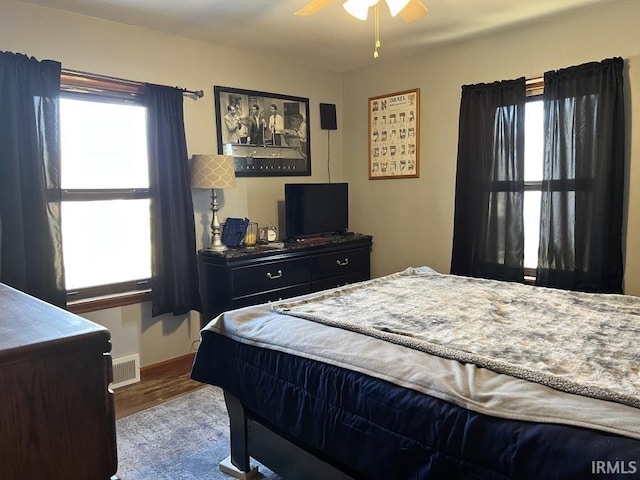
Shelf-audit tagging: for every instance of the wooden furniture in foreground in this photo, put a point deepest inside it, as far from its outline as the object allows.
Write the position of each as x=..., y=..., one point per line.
x=250, y=276
x=56, y=409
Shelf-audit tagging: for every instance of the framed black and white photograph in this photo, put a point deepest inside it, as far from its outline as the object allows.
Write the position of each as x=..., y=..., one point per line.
x=267, y=134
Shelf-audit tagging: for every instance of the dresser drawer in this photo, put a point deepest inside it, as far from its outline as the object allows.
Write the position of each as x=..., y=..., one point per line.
x=271, y=296
x=343, y=262
x=269, y=276
x=340, y=281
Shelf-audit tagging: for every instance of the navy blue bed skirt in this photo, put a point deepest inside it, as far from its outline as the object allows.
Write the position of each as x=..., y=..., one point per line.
x=373, y=429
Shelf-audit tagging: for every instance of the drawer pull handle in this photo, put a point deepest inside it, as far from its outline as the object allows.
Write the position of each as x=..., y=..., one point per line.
x=273, y=277
x=342, y=263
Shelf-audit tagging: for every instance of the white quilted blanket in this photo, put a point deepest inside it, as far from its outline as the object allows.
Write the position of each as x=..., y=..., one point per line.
x=586, y=344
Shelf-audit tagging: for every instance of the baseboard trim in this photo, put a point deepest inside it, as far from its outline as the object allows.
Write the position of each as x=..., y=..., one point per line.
x=180, y=364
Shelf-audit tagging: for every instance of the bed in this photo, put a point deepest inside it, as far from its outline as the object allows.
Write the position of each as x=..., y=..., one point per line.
x=425, y=375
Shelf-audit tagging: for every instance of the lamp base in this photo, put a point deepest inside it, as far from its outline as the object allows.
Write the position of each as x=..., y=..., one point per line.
x=216, y=248
x=216, y=240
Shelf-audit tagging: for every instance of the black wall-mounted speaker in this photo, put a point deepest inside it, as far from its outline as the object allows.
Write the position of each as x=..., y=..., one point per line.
x=328, y=119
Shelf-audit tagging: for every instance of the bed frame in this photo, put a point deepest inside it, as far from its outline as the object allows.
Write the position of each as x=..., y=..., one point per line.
x=250, y=438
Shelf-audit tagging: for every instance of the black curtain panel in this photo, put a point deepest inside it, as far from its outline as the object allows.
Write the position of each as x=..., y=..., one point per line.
x=582, y=197
x=30, y=233
x=488, y=237
x=174, y=270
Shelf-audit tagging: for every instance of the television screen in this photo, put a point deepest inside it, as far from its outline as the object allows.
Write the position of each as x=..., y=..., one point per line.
x=315, y=209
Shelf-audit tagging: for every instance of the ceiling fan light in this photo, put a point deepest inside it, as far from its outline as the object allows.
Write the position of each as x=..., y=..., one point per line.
x=359, y=8
x=396, y=6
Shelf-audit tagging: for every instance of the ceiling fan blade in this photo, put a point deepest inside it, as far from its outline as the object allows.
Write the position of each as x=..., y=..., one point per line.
x=414, y=10
x=313, y=7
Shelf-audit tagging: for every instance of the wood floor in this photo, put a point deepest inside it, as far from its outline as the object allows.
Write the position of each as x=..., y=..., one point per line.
x=158, y=383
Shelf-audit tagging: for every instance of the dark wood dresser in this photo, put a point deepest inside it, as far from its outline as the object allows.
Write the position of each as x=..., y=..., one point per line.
x=252, y=275
x=56, y=410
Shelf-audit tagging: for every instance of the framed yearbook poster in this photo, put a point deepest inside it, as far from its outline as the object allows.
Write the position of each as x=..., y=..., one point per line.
x=394, y=135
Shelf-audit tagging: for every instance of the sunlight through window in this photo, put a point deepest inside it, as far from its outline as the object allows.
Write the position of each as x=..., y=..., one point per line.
x=533, y=170
x=106, y=233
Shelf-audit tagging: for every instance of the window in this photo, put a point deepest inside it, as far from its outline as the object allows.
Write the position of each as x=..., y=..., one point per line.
x=533, y=169
x=105, y=194
x=579, y=153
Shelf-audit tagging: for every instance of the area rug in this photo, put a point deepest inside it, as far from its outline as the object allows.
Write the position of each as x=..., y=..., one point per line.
x=182, y=439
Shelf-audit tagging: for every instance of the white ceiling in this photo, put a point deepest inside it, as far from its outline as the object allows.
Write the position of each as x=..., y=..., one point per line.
x=331, y=39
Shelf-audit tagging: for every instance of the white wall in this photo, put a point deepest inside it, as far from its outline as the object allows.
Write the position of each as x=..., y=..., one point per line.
x=412, y=219
x=97, y=46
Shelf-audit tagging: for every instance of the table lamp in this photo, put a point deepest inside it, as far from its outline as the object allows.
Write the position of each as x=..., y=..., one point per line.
x=213, y=171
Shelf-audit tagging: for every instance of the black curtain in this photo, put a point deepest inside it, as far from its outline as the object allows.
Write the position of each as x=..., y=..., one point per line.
x=30, y=234
x=488, y=236
x=174, y=270
x=582, y=197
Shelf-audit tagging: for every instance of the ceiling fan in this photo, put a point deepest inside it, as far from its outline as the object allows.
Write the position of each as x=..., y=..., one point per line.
x=409, y=10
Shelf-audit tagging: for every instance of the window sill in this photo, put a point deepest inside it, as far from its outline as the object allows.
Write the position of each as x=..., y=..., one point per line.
x=108, y=301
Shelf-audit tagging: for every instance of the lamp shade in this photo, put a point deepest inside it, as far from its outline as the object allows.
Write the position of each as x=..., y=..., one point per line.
x=359, y=8
x=213, y=171
x=396, y=6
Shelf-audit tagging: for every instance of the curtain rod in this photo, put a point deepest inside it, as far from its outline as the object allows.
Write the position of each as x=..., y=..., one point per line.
x=196, y=93
x=94, y=80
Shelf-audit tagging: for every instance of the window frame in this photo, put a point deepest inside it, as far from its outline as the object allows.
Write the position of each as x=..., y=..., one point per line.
x=89, y=87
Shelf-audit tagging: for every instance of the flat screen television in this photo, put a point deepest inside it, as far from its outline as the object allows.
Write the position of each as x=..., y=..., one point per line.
x=314, y=209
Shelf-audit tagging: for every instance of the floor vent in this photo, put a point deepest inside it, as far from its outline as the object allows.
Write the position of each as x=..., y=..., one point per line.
x=126, y=370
